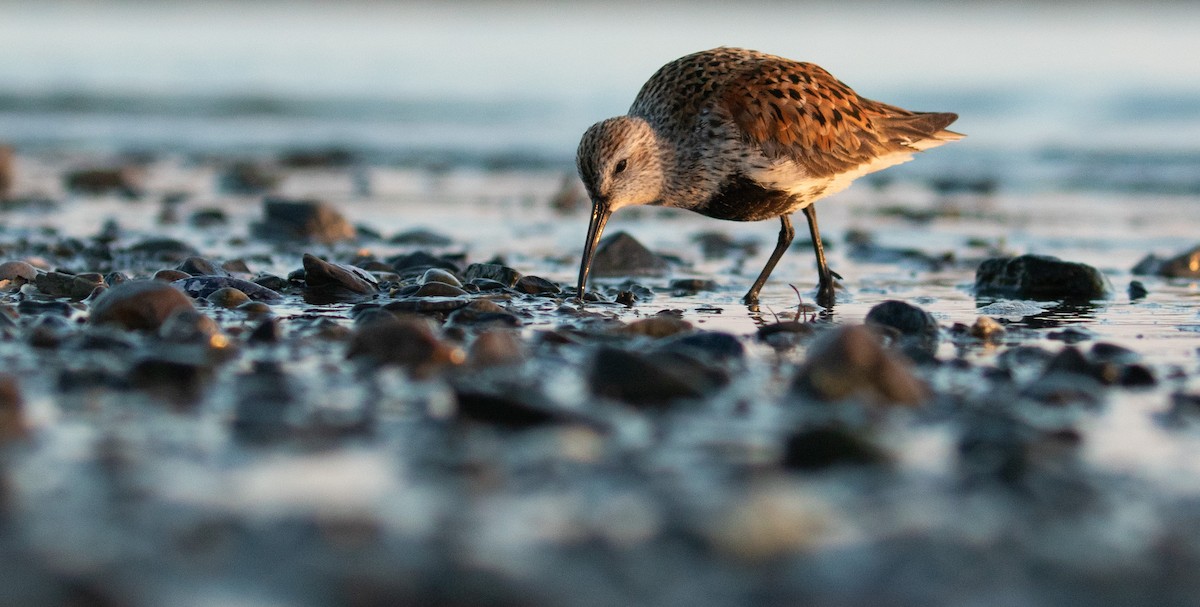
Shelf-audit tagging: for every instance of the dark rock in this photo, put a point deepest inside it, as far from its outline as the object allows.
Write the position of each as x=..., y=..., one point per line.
x=999, y=448
x=622, y=255
x=188, y=326
x=32, y=307
x=227, y=297
x=1137, y=376
x=421, y=237
x=19, y=272
x=333, y=281
x=822, y=448
x=179, y=379
x=786, y=334
x=1104, y=352
x=408, y=342
x=693, y=285
x=486, y=284
x=495, y=348
x=264, y=397
x=140, y=305
x=1041, y=278
x=1071, y=335
x=492, y=271
x=170, y=276
x=428, y=305
x=850, y=363
x=986, y=328
x=248, y=178
x=254, y=308
x=916, y=330
x=505, y=408
x=76, y=287
x=115, y=278
x=656, y=327
x=1137, y=290
x=483, y=313
x=1062, y=389
x=125, y=181
x=270, y=281
x=48, y=332
x=202, y=287
x=536, y=285
x=199, y=266
x=626, y=298
x=708, y=346
x=440, y=275
x=163, y=249
x=1071, y=360
x=439, y=289
x=208, y=218
x=307, y=220
x=1183, y=265
x=642, y=380
x=420, y=261
x=236, y=266
x=267, y=332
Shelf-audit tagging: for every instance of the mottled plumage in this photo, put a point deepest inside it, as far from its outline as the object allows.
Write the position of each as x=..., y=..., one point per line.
x=741, y=135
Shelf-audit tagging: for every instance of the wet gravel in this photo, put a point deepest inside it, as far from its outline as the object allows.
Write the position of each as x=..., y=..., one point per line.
x=370, y=400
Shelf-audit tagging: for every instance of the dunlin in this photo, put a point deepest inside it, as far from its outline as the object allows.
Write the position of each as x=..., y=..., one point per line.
x=741, y=135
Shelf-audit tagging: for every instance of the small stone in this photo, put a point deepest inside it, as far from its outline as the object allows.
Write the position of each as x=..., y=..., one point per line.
x=495, y=348
x=1040, y=278
x=125, y=181
x=1137, y=290
x=642, y=381
x=709, y=346
x=442, y=276
x=1183, y=265
x=140, y=305
x=176, y=378
x=656, y=327
x=693, y=285
x=986, y=328
x=786, y=334
x=483, y=313
x=76, y=287
x=267, y=332
x=271, y=281
x=1136, y=376
x=188, y=326
x=328, y=280
x=916, y=329
x=208, y=218
x=199, y=266
x=536, y=285
x=405, y=341
x=850, y=363
x=1104, y=352
x=19, y=272
x=486, y=284
x=309, y=220
x=492, y=271
x=328, y=158
x=822, y=448
x=202, y=287
x=622, y=255
x=439, y=289
x=227, y=297
x=254, y=308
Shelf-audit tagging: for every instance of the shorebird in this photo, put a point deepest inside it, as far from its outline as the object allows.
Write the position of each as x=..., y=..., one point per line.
x=746, y=136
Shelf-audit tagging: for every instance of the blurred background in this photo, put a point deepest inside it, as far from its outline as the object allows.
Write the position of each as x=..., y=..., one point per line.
x=1087, y=95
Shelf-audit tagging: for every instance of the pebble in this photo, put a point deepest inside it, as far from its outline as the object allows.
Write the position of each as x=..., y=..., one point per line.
x=72, y=286
x=536, y=285
x=642, y=381
x=254, y=308
x=199, y=266
x=163, y=249
x=1040, y=278
x=140, y=305
x=439, y=289
x=188, y=326
x=227, y=297
x=306, y=220
x=622, y=255
x=495, y=348
x=248, y=178
x=336, y=281
x=442, y=276
x=419, y=261
x=126, y=181
x=693, y=285
x=19, y=272
x=492, y=271
x=483, y=313
x=172, y=276
x=407, y=341
x=850, y=363
x=421, y=237
x=986, y=328
x=915, y=329
x=1137, y=290
x=202, y=287
x=1182, y=265
x=656, y=327
x=813, y=449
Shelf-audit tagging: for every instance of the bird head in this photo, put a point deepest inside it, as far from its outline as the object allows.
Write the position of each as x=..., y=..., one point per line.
x=620, y=164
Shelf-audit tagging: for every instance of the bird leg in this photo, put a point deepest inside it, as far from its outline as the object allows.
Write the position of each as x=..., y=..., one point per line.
x=825, y=296
x=786, y=233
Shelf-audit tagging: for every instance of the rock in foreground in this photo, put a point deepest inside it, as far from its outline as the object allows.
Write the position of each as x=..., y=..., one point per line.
x=140, y=305
x=1040, y=278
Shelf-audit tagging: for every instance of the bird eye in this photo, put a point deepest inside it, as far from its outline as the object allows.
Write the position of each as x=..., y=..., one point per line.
x=620, y=166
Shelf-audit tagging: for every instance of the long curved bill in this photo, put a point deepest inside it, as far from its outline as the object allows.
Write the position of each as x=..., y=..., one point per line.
x=600, y=215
